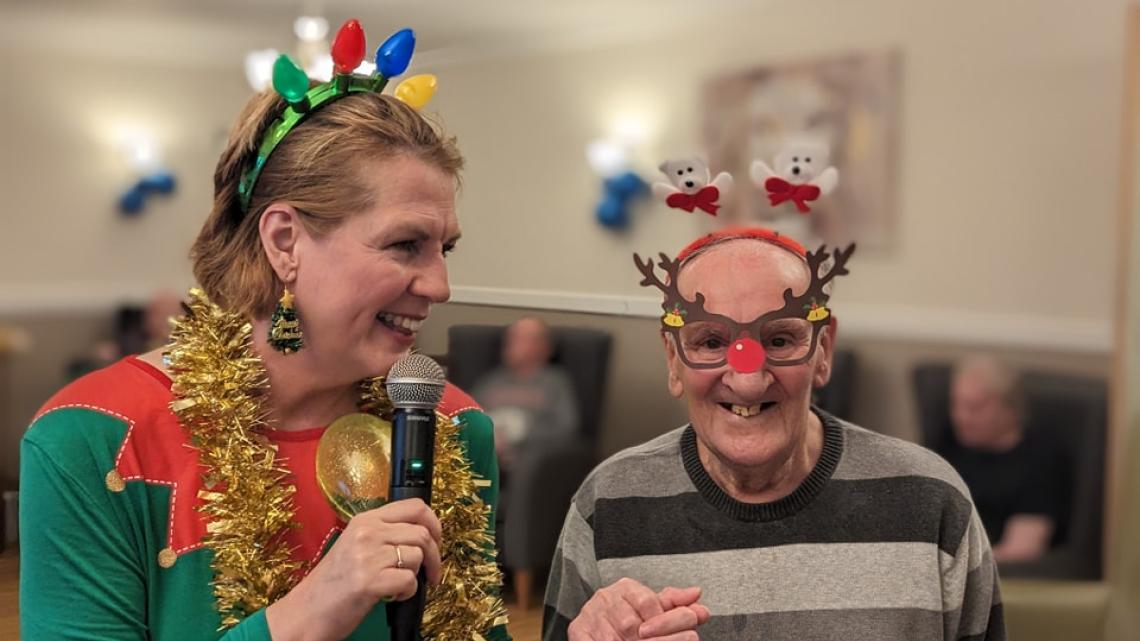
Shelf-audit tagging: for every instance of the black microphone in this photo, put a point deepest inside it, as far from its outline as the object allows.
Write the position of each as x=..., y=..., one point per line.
x=415, y=387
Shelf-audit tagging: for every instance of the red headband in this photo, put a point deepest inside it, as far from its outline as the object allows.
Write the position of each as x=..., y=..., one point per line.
x=733, y=233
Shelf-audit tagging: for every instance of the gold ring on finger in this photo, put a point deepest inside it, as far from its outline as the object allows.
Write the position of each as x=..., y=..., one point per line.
x=399, y=558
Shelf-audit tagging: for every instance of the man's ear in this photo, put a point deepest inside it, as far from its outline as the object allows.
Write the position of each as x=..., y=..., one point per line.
x=280, y=227
x=676, y=387
x=824, y=353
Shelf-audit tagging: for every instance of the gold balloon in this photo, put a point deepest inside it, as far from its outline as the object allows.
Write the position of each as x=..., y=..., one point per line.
x=417, y=90
x=354, y=463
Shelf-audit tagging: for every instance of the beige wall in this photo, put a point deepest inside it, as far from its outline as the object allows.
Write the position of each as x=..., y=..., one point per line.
x=63, y=244
x=1005, y=107
x=1008, y=155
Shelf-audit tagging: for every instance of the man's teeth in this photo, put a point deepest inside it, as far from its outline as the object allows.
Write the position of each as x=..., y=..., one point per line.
x=410, y=324
x=746, y=410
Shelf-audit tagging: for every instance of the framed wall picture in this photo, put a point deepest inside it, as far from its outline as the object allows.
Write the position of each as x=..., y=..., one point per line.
x=850, y=103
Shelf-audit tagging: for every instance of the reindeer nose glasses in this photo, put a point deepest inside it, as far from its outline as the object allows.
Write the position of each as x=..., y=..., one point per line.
x=786, y=336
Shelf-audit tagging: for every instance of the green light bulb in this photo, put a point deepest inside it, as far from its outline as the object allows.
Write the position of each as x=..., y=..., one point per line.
x=289, y=80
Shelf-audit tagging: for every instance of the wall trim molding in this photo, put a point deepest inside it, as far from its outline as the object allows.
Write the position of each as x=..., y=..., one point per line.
x=865, y=322
x=73, y=297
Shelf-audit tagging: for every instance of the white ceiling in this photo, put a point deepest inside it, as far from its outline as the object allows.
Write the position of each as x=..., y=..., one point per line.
x=204, y=32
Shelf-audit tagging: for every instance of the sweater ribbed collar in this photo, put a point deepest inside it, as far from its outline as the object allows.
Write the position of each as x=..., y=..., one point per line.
x=782, y=508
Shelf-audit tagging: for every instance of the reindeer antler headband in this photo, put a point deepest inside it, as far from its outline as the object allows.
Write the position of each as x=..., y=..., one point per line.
x=786, y=336
x=392, y=59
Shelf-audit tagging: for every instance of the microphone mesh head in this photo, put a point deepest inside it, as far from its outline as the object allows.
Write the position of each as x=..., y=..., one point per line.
x=415, y=381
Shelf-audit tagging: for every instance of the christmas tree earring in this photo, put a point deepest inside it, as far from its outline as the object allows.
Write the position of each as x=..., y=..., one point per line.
x=285, y=328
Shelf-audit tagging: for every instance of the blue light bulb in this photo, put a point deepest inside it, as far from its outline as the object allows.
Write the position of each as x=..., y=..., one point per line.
x=393, y=57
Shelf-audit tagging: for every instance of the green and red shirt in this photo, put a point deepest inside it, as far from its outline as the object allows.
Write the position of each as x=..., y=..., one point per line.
x=111, y=538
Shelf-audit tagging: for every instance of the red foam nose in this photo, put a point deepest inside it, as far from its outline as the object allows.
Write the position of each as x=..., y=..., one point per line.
x=746, y=356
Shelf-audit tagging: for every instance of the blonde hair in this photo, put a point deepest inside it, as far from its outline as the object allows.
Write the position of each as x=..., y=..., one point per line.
x=318, y=169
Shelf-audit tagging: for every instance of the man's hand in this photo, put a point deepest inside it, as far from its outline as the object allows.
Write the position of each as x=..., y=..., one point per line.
x=629, y=611
x=1026, y=538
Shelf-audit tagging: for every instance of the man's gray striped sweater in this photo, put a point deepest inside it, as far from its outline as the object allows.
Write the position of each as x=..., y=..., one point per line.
x=881, y=541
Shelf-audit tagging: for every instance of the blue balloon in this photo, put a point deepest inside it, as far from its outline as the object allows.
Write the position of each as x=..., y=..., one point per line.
x=394, y=55
x=132, y=201
x=626, y=185
x=160, y=182
x=611, y=187
x=618, y=192
x=612, y=213
x=636, y=186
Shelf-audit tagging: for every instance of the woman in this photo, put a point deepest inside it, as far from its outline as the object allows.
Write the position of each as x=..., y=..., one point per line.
x=173, y=495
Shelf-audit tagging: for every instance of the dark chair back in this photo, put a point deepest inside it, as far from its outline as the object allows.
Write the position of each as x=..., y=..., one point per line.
x=475, y=350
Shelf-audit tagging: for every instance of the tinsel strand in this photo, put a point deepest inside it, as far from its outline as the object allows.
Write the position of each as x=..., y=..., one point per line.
x=247, y=502
x=218, y=381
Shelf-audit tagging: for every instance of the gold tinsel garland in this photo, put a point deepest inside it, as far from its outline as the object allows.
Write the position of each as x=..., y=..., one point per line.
x=466, y=603
x=246, y=500
x=218, y=382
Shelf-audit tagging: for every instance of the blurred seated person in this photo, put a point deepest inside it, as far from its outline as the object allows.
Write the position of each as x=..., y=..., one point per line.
x=136, y=330
x=162, y=307
x=527, y=398
x=1018, y=476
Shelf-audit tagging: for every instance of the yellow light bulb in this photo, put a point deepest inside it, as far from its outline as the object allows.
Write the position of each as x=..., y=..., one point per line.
x=417, y=91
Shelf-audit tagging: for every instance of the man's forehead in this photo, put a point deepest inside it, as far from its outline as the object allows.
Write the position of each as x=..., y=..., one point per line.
x=741, y=262
x=528, y=327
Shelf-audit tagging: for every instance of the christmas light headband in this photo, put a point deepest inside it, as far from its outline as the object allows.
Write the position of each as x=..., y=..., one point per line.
x=291, y=82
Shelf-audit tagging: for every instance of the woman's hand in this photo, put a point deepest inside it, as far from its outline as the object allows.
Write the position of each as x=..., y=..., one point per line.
x=629, y=611
x=376, y=558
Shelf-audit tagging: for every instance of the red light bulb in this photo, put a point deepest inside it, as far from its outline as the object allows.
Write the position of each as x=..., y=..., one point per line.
x=348, y=47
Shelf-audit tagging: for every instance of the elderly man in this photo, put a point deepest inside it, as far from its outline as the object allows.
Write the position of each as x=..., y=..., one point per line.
x=528, y=398
x=1019, y=477
x=533, y=407
x=766, y=518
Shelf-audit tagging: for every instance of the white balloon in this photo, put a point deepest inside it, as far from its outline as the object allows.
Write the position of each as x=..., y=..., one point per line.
x=321, y=68
x=259, y=68
x=311, y=28
x=607, y=158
